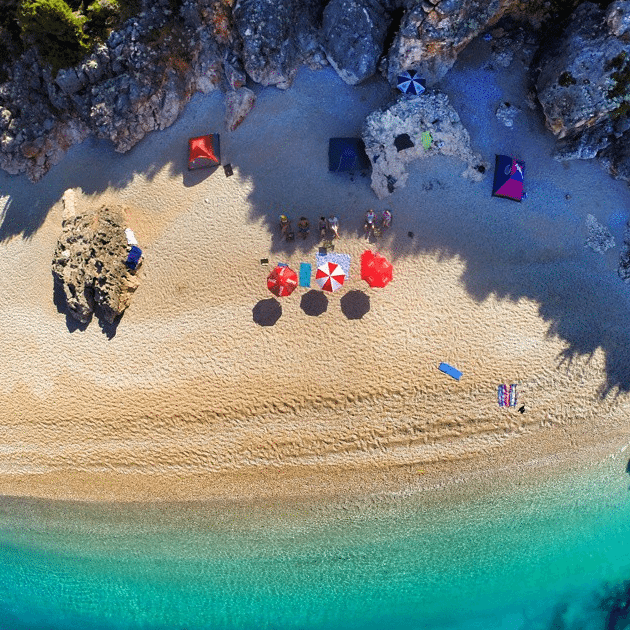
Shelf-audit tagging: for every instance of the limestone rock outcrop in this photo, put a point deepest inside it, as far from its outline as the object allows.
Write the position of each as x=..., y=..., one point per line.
x=581, y=72
x=353, y=33
x=598, y=236
x=616, y=157
x=624, y=258
x=89, y=262
x=433, y=32
x=394, y=137
x=137, y=81
x=238, y=103
x=275, y=37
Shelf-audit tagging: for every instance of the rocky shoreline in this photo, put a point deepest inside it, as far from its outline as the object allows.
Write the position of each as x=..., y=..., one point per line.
x=142, y=76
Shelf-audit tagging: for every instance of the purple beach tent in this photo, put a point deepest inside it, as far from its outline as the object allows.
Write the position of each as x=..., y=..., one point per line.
x=508, y=178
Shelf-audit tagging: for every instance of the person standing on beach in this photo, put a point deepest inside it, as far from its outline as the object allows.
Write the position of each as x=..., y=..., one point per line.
x=322, y=227
x=333, y=225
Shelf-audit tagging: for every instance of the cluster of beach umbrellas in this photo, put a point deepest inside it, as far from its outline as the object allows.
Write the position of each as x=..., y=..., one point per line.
x=376, y=270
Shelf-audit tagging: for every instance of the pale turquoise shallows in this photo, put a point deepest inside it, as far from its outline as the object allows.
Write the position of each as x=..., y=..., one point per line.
x=532, y=556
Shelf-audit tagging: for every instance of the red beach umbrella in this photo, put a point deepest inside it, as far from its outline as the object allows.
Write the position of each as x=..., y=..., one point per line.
x=330, y=276
x=376, y=270
x=282, y=281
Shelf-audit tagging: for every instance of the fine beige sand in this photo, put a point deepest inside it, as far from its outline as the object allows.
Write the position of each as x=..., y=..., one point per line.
x=190, y=398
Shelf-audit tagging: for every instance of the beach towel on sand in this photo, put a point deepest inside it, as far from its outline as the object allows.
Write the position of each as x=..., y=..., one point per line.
x=305, y=274
x=507, y=396
x=450, y=370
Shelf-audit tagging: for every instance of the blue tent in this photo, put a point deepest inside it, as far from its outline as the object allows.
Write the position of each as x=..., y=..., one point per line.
x=347, y=154
x=133, y=258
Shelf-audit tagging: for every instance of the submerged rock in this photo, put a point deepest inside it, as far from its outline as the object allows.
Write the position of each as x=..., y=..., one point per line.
x=89, y=262
x=428, y=123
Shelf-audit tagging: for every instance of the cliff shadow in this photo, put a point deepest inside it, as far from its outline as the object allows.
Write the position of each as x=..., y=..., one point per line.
x=95, y=166
x=531, y=250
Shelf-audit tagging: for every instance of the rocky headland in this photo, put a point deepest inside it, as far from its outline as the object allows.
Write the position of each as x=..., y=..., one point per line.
x=89, y=263
x=139, y=78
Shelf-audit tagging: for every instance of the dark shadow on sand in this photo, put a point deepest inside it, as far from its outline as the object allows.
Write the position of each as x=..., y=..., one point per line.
x=355, y=304
x=314, y=303
x=59, y=300
x=267, y=312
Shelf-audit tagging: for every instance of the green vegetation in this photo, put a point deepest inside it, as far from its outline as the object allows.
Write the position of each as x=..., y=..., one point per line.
x=102, y=14
x=56, y=32
x=63, y=31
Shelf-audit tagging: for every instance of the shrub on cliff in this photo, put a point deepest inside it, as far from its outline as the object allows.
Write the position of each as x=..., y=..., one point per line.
x=56, y=32
x=102, y=15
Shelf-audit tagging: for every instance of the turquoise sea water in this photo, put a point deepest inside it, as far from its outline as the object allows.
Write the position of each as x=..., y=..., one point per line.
x=535, y=555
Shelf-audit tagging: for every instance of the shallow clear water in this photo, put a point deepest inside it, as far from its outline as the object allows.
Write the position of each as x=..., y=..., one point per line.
x=518, y=556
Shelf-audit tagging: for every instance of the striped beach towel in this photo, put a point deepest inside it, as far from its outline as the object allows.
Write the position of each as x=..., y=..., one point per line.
x=507, y=395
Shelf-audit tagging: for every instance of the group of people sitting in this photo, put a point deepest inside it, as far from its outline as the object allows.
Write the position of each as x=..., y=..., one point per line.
x=329, y=227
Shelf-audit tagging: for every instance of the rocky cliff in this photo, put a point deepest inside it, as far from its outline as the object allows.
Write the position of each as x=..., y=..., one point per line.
x=140, y=78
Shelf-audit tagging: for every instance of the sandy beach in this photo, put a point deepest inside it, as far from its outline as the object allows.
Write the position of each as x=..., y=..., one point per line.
x=189, y=397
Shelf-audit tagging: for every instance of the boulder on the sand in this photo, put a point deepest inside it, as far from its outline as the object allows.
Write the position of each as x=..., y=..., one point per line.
x=432, y=33
x=598, y=236
x=431, y=115
x=90, y=262
x=624, y=258
x=616, y=157
x=583, y=72
x=354, y=33
x=238, y=103
x=267, y=30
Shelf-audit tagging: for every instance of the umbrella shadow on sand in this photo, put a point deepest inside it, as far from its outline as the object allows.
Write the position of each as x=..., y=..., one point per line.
x=267, y=312
x=314, y=303
x=355, y=304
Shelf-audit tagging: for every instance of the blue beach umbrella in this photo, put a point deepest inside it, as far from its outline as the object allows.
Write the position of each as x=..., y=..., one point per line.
x=410, y=83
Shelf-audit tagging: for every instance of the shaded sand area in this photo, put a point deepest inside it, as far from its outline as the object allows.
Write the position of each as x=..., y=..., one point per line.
x=190, y=397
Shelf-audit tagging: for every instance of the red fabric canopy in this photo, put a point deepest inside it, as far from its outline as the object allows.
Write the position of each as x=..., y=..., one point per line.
x=376, y=270
x=282, y=281
x=203, y=151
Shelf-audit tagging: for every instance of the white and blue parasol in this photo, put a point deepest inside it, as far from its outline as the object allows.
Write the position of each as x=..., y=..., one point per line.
x=410, y=83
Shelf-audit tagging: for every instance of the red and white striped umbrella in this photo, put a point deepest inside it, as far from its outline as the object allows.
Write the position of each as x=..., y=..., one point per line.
x=330, y=276
x=282, y=281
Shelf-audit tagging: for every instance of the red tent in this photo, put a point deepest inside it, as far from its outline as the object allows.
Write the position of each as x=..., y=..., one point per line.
x=376, y=270
x=282, y=281
x=204, y=151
